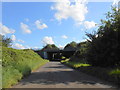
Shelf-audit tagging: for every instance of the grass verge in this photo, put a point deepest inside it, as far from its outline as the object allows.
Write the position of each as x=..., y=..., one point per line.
x=109, y=74
x=17, y=64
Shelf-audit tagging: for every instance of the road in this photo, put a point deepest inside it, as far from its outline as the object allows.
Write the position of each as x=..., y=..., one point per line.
x=57, y=75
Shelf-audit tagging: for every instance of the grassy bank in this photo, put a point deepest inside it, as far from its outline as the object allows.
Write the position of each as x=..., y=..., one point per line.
x=18, y=63
x=110, y=74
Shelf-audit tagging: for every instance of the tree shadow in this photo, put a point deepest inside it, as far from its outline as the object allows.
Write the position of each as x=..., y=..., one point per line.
x=61, y=77
x=57, y=67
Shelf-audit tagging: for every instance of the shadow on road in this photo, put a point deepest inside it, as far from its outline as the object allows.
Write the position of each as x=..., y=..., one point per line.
x=65, y=76
x=56, y=67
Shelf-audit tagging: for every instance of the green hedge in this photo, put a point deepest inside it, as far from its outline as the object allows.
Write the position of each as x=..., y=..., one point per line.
x=17, y=64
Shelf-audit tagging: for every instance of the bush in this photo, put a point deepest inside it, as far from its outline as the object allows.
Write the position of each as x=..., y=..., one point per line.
x=103, y=47
x=82, y=49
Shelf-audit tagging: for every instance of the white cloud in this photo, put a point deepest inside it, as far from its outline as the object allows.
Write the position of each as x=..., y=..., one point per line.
x=115, y=2
x=18, y=46
x=35, y=47
x=83, y=40
x=48, y=40
x=40, y=25
x=64, y=36
x=5, y=30
x=13, y=37
x=60, y=46
x=21, y=41
x=25, y=28
x=67, y=9
x=28, y=47
x=89, y=24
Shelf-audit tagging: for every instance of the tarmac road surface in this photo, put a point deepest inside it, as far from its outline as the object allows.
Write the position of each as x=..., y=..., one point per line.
x=57, y=75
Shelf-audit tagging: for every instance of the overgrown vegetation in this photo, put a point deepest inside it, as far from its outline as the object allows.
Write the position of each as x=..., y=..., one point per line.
x=98, y=56
x=80, y=54
x=109, y=74
x=76, y=64
x=103, y=48
x=17, y=64
x=71, y=46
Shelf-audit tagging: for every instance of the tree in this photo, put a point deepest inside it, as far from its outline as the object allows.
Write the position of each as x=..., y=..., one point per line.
x=71, y=46
x=80, y=54
x=103, y=47
x=5, y=41
x=81, y=50
x=50, y=47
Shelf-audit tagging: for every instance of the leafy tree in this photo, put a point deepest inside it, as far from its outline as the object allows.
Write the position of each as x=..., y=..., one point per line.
x=81, y=51
x=5, y=41
x=50, y=47
x=80, y=54
x=71, y=46
x=54, y=46
x=103, y=45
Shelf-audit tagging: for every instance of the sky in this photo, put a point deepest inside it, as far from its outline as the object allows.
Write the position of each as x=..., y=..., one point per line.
x=35, y=24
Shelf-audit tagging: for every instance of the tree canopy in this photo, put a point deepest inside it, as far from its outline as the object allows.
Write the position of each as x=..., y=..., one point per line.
x=103, y=45
x=71, y=46
x=50, y=47
x=4, y=41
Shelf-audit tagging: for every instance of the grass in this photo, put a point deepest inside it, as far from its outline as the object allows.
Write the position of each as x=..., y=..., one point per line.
x=63, y=61
x=76, y=64
x=18, y=63
x=109, y=74
x=0, y=75
x=115, y=72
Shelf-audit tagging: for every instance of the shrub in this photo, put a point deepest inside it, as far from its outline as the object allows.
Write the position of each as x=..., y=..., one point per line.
x=103, y=47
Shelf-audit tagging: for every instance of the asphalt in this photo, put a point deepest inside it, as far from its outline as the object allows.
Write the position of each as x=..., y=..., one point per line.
x=57, y=75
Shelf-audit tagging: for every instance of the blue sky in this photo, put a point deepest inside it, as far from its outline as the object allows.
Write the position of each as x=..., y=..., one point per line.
x=35, y=24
